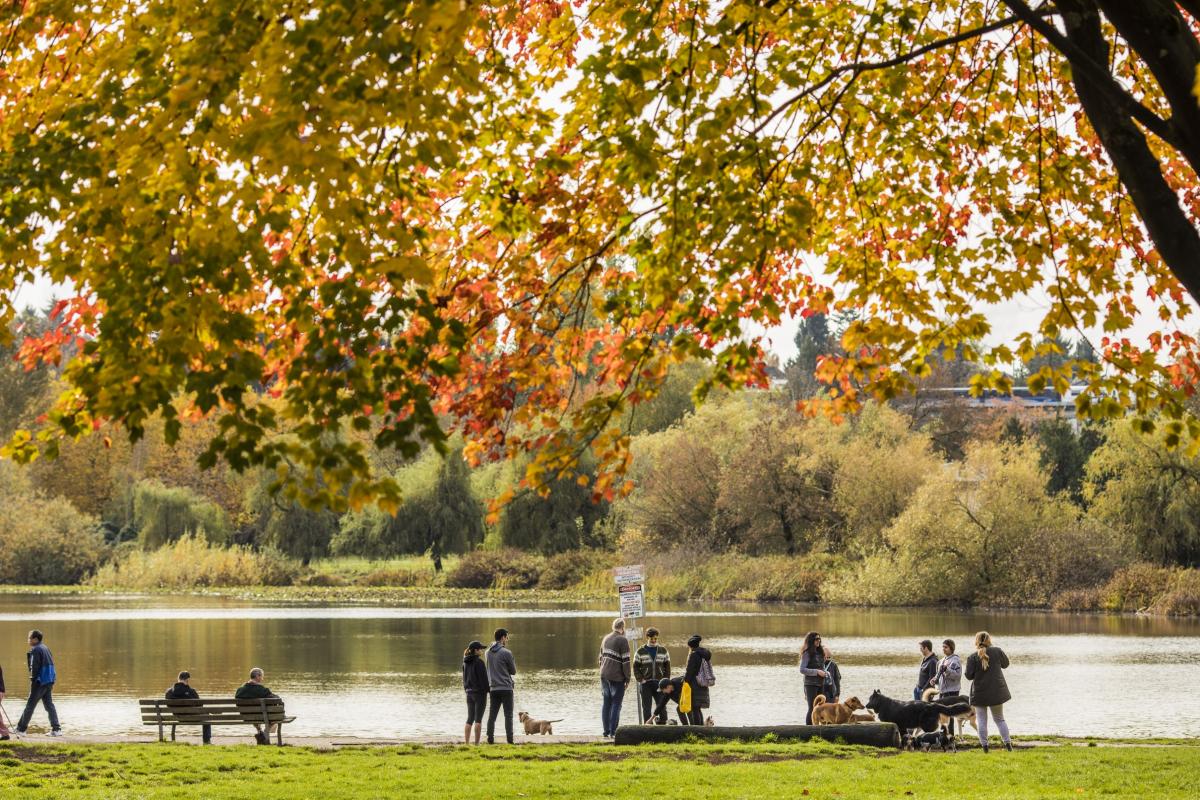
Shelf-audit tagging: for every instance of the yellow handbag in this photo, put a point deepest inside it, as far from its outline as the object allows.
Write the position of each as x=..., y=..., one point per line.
x=685, y=698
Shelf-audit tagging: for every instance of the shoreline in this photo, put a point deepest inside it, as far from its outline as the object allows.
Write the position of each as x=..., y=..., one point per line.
x=375, y=595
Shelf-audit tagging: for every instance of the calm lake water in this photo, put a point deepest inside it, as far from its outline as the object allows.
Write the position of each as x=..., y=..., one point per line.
x=393, y=671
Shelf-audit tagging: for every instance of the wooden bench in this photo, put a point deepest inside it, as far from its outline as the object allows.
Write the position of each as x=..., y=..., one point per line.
x=266, y=711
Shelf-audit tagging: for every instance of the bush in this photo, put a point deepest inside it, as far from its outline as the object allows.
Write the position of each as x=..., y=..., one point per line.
x=495, y=569
x=322, y=579
x=1077, y=600
x=163, y=515
x=1136, y=587
x=44, y=541
x=398, y=577
x=571, y=568
x=191, y=561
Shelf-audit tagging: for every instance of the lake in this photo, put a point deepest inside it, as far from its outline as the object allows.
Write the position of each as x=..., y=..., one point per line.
x=397, y=667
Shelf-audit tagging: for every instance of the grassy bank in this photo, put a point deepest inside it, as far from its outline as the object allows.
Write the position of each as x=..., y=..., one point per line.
x=587, y=771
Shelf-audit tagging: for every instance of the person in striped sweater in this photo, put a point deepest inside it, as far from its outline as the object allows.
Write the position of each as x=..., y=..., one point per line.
x=614, y=676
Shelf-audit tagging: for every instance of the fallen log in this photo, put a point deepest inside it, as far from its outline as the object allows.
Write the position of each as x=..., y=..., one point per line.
x=876, y=734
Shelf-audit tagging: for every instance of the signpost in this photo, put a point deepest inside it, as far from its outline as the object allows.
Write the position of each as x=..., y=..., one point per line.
x=631, y=596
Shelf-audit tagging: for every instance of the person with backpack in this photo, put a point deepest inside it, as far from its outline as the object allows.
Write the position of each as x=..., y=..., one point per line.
x=475, y=684
x=699, y=676
x=182, y=690
x=42, y=676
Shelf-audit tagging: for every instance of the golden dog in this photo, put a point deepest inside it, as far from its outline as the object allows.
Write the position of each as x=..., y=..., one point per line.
x=542, y=726
x=824, y=713
x=968, y=716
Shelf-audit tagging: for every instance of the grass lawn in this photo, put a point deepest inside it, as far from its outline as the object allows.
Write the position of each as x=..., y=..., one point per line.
x=757, y=771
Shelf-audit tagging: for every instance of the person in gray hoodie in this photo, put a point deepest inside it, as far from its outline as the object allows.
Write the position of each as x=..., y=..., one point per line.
x=501, y=667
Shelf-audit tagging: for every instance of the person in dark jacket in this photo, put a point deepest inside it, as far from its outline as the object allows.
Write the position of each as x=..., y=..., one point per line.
x=651, y=664
x=985, y=669
x=832, y=688
x=928, y=668
x=182, y=690
x=42, y=676
x=254, y=689
x=697, y=655
x=4, y=731
x=669, y=689
x=812, y=667
x=475, y=684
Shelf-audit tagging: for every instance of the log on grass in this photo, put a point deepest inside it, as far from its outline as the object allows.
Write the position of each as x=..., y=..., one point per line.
x=876, y=734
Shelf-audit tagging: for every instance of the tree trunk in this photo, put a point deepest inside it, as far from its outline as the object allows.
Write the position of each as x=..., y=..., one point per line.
x=876, y=734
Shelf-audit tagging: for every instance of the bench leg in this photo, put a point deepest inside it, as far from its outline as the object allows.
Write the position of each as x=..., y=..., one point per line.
x=160, y=729
x=279, y=734
x=172, y=733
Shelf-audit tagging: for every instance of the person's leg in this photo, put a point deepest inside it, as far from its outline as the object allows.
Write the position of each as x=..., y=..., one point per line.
x=470, y=719
x=492, y=712
x=1001, y=725
x=697, y=716
x=981, y=724
x=810, y=694
x=508, y=716
x=35, y=697
x=605, y=705
x=617, y=692
x=206, y=734
x=51, y=711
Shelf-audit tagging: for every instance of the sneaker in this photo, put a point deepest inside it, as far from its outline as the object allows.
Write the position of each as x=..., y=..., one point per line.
x=261, y=738
x=1008, y=746
x=4, y=738
x=19, y=734
x=985, y=748
x=55, y=732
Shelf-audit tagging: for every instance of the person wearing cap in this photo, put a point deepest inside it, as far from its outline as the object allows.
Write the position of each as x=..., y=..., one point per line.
x=669, y=690
x=614, y=676
x=475, y=684
x=651, y=664
x=700, y=698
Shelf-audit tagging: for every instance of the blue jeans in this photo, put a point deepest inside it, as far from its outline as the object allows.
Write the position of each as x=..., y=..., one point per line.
x=610, y=709
x=39, y=693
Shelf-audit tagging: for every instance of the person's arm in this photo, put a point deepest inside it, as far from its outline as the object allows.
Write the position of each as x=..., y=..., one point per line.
x=511, y=663
x=836, y=674
x=1, y=682
x=36, y=662
x=626, y=667
x=807, y=670
x=666, y=663
x=969, y=672
x=1003, y=658
x=693, y=667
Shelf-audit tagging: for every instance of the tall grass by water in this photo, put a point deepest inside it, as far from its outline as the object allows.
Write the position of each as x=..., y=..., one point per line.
x=192, y=561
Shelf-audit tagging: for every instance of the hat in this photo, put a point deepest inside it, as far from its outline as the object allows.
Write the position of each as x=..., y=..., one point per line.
x=694, y=640
x=475, y=645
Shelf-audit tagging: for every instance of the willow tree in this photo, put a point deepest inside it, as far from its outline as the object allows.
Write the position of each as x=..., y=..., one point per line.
x=511, y=218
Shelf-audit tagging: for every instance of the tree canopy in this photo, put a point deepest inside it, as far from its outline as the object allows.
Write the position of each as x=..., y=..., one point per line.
x=511, y=218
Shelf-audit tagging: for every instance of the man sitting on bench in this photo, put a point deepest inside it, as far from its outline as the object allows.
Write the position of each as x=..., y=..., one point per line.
x=253, y=689
x=182, y=690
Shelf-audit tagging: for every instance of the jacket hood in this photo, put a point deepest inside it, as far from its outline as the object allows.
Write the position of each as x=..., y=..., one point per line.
x=469, y=658
x=705, y=653
x=495, y=648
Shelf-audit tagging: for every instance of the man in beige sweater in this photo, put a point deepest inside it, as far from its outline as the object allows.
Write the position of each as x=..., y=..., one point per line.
x=614, y=675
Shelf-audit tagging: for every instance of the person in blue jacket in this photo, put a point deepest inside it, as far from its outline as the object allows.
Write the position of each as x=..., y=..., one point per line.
x=42, y=676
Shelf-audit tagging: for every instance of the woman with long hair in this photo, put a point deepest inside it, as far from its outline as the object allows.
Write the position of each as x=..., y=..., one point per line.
x=985, y=669
x=475, y=684
x=812, y=667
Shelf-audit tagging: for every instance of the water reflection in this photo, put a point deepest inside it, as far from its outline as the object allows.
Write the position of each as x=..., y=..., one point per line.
x=1071, y=674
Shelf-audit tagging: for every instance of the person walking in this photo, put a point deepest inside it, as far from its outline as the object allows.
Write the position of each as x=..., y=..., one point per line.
x=651, y=664
x=4, y=731
x=812, y=667
x=475, y=684
x=501, y=667
x=928, y=667
x=254, y=689
x=699, y=676
x=985, y=669
x=832, y=688
x=614, y=676
x=182, y=690
x=42, y=676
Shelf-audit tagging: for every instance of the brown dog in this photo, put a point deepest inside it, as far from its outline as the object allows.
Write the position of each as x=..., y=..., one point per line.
x=928, y=696
x=542, y=726
x=863, y=716
x=834, y=713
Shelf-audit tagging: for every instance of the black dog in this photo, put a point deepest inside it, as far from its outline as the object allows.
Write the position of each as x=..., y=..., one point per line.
x=928, y=741
x=913, y=714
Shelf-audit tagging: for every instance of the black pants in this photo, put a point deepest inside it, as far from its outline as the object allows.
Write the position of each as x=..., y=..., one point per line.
x=648, y=696
x=39, y=693
x=695, y=717
x=500, y=697
x=476, y=705
x=810, y=694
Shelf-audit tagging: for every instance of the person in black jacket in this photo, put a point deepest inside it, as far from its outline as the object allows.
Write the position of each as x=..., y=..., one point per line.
x=928, y=668
x=700, y=697
x=254, y=689
x=475, y=684
x=833, y=678
x=182, y=690
x=669, y=690
x=42, y=676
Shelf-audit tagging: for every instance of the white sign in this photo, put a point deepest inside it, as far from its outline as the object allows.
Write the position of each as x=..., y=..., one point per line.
x=633, y=600
x=634, y=573
x=633, y=633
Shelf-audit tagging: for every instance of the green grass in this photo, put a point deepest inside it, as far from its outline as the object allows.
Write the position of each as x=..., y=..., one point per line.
x=758, y=771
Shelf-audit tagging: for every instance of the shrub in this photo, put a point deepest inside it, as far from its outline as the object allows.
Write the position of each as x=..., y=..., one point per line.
x=1077, y=600
x=322, y=579
x=568, y=569
x=495, y=569
x=47, y=541
x=191, y=561
x=398, y=577
x=163, y=515
x=1136, y=587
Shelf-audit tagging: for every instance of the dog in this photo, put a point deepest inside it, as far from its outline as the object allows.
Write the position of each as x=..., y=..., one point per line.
x=542, y=726
x=914, y=714
x=859, y=717
x=709, y=722
x=927, y=741
x=824, y=713
x=951, y=699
